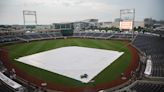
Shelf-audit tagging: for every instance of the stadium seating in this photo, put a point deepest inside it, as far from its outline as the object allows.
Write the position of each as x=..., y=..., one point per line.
x=147, y=87
x=89, y=34
x=76, y=34
x=96, y=35
x=152, y=46
x=83, y=34
x=24, y=37
x=9, y=38
x=44, y=36
x=58, y=34
x=4, y=88
x=50, y=35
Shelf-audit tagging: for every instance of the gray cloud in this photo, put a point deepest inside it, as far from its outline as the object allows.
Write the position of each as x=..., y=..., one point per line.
x=49, y=11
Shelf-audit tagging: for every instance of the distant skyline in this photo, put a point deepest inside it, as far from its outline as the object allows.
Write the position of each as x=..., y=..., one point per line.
x=52, y=11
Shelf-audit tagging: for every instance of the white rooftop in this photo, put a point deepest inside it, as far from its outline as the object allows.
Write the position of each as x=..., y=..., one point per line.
x=73, y=61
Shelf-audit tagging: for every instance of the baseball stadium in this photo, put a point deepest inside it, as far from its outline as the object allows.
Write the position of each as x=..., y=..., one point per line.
x=83, y=56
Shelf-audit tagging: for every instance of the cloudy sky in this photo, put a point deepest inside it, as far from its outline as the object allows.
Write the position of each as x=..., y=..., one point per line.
x=50, y=11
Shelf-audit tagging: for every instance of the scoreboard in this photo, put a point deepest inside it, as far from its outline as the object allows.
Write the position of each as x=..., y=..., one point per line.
x=126, y=25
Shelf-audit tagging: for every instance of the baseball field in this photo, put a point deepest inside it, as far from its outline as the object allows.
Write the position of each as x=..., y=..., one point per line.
x=110, y=73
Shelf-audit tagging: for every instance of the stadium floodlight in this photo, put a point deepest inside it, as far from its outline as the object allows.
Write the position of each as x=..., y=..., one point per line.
x=125, y=11
x=29, y=13
x=127, y=17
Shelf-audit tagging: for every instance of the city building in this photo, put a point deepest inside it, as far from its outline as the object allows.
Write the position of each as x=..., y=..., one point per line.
x=77, y=26
x=105, y=24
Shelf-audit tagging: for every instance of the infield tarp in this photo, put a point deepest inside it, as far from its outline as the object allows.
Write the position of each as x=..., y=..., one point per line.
x=73, y=61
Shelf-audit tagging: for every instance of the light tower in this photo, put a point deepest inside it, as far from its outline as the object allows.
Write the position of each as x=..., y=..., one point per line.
x=29, y=13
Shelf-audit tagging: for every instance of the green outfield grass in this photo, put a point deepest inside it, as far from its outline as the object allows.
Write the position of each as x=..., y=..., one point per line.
x=110, y=73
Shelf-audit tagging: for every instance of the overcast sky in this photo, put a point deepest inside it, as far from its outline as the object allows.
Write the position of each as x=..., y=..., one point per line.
x=50, y=11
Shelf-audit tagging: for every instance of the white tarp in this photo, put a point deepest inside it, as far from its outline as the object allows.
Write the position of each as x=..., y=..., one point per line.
x=73, y=61
x=9, y=82
x=148, y=67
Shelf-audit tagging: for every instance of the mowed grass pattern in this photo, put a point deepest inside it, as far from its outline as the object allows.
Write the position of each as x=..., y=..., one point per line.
x=110, y=73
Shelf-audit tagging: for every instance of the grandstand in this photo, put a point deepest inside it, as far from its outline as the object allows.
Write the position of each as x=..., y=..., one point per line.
x=155, y=51
x=54, y=35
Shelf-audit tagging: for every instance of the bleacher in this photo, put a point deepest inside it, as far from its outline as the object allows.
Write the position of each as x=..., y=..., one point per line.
x=106, y=35
x=40, y=36
x=102, y=35
x=89, y=34
x=10, y=38
x=76, y=34
x=52, y=35
x=83, y=34
x=24, y=37
x=4, y=88
x=44, y=36
x=58, y=34
x=147, y=87
x=97, y=34
x=152, y=46
x=9, y=85
x=35, y=36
